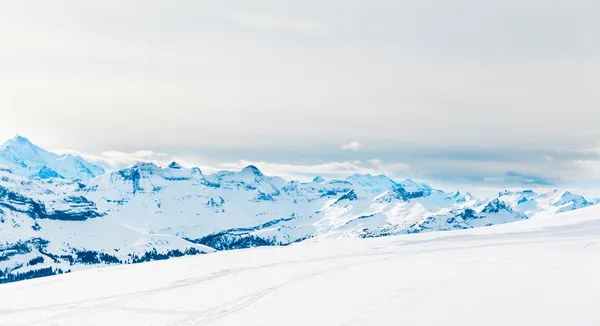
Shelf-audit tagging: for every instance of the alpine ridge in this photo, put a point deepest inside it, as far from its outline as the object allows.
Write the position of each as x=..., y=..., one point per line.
x=60, y=213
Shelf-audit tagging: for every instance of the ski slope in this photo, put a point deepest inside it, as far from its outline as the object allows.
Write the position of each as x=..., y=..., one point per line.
x=541, y=271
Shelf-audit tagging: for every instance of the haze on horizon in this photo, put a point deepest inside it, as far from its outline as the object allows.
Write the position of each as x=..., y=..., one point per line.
x=450, y=93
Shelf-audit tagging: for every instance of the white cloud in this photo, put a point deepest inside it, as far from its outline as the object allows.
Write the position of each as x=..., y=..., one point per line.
x=352, y=146
x=274, y=22
x=116, y=159
x=348, y=61
x=389, y=168
x=591, y=167
x=306, y=172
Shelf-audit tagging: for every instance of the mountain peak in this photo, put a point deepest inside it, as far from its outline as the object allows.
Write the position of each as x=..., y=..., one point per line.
x=373, y=184
x=27, y=159
x=252, y=169
x=47, y=173
x=19, y=142
x=19, y=138
x=455, y=194
x=412, y=186
x=318, y=179
x=495, y=206
x=174, y=165
x=144, y=165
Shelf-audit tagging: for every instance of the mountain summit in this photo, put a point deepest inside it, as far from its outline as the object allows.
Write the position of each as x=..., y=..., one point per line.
x=25, y=158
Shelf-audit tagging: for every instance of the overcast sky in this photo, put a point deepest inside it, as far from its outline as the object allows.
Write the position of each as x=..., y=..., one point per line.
x=493, y=93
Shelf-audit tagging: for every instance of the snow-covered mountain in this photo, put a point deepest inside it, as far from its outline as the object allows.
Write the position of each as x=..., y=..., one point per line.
x=23, y=157
x=529, y=202
x=146, y=212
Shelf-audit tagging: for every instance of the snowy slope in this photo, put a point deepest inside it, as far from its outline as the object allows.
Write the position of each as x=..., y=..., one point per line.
x=541, y=271
x=25, y=158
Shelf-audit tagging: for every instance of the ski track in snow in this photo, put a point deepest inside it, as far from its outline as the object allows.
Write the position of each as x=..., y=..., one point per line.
x=82, y=305
x=227, y=308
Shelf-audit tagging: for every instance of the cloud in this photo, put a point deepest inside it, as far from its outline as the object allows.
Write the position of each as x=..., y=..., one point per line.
x=336, y=169
x=513, y=177
x=434, y=87
x=590, y=167
x=352, y=146
x=113, y=160
x=389, y=168
x=274, y=22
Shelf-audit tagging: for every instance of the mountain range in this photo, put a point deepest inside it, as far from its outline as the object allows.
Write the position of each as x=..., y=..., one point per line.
x=59, y=213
